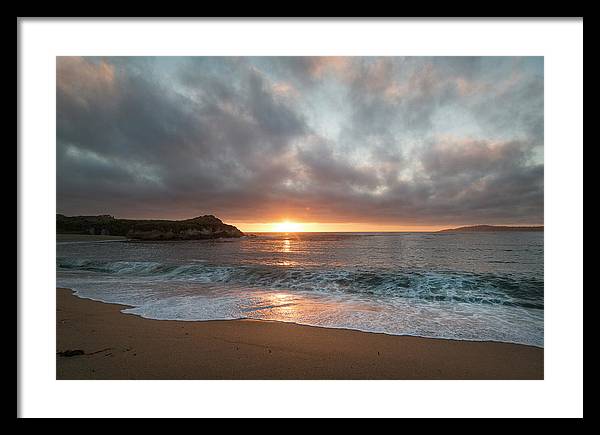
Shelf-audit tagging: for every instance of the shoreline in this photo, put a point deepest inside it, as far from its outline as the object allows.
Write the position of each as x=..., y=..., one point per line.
x=110, y=344
x=341, y=328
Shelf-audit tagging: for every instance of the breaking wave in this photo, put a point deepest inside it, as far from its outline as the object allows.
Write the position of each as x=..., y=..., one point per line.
x=446, y=286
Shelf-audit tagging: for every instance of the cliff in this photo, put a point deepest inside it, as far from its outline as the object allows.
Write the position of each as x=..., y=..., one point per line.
x=491, y=228
x=202, y=227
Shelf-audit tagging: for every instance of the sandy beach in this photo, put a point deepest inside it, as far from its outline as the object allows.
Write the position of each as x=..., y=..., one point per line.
x=108, y=344
x=61, y=238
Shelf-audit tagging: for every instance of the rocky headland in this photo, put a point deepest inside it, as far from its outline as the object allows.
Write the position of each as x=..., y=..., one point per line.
x=198, y=228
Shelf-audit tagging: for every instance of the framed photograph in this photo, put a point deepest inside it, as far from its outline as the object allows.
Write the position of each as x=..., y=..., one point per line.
x=224, y=204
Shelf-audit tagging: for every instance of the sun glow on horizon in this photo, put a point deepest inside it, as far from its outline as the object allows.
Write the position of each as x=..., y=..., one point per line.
x=290, y=226
x=287, y=227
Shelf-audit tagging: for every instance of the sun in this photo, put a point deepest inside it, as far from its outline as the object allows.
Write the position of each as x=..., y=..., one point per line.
x=287, y=227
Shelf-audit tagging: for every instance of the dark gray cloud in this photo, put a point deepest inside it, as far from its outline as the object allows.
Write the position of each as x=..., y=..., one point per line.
x=407, y=141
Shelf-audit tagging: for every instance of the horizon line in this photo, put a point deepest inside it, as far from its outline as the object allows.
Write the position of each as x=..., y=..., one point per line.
x=327, y=227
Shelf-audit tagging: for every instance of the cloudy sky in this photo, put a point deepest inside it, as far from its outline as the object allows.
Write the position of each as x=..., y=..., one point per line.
x=358, y=142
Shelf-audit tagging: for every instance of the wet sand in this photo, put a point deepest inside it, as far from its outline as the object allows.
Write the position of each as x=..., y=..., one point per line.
x=108, y=344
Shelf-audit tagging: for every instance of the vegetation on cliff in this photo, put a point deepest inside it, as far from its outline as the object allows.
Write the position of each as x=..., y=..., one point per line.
x=202, y=227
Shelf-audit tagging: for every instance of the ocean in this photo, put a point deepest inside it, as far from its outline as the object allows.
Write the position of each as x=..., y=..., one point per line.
x=463, y=286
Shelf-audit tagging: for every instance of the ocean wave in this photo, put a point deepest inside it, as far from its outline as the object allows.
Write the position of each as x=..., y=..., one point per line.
x=443, y=286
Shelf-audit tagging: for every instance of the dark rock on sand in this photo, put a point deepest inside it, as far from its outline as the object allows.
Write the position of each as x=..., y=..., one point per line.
x=69, y=353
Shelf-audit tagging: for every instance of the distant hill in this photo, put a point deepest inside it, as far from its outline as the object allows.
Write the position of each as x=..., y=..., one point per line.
x=202, y=227
x=490, y=228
